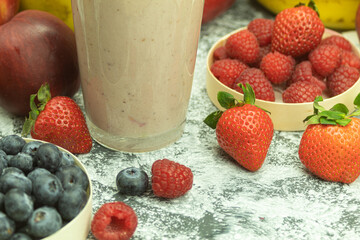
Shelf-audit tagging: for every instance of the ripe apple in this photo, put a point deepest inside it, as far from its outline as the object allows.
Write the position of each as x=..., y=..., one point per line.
x=36, y=47
x=213, y=8
x=8, y=9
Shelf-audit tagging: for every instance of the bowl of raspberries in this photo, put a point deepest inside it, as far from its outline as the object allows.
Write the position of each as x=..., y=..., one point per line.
x=288, y=61
x=45, y=191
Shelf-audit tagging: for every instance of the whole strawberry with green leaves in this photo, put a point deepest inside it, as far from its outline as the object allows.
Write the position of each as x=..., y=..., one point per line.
x=330, y=146
x=58, y=120
x=243, y=130
x=297, y=30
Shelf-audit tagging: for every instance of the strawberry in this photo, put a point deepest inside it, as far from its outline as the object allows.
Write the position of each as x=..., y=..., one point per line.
x=227, y=70
x=114, y=221
x=257, y=80
x=325, y=59
x=170, y=179
x=244, y=46
x=58, y=120
x=277, y=67
x=243, y=130
x=342, y=79
x=300, y=92
x=329, y=147
x=262, y=29
x=297, y=31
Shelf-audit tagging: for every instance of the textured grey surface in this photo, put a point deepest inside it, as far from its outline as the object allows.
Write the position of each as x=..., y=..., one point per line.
x=280, y=201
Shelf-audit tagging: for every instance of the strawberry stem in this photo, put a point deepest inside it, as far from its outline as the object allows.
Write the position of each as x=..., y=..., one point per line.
x=43, y=96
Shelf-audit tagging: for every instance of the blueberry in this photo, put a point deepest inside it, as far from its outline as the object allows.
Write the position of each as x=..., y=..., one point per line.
x=20, y=236
x=31, y=148
x=44, y=221
x=3, y=158
x=71, y=202
x=66, y=159
x=71, y=176
x=22, y=161
x=7, y=227
x=12, y=170
x=37, y=172
x=132, y=181
x=18, y=205
x=2, y=201
x=12, y=144
x=2, y=167
x=48, y=156
x=15, y=180
x=47, y=189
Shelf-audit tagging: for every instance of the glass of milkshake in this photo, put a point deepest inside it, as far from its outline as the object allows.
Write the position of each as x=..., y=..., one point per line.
x=137, y=60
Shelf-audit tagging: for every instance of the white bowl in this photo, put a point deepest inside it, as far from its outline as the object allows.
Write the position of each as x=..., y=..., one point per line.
x=79, y=227
x=285, y=116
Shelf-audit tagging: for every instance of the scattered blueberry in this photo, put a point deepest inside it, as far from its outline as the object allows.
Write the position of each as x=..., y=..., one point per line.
x=37, y=172
x=18, y=205
x=44, y=221
x=66, y=159
x=22, y=161
x=20, y=236
x=71, y=202
x=71, y=176
x=2, y=166
x=12, y=144
x=12, y=170
x=48, y=156
x=3, y=158
x=47, y=189
x=7, y=226
x=132, y=181
x=15, y=180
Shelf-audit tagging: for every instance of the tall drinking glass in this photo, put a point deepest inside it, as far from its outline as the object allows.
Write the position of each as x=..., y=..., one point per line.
x=136, y=59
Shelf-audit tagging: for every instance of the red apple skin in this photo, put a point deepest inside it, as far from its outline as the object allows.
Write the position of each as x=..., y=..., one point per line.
x=36, y=47
x=8, y=9
x=213, y=8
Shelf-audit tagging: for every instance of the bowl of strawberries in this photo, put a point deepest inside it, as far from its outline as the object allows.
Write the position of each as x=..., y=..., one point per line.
x=288, y=62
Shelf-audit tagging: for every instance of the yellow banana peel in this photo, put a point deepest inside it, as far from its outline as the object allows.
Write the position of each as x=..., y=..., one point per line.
x=335, y=14
x=60, y=8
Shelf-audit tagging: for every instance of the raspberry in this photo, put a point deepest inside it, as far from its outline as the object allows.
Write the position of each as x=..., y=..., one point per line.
x=301, y=92
x=342, y=79
x=262, y=29
x=262, y=53
x=114, y=221
x=277, y=67
x=220, y=53
x=227, y=70
x=170, y=179
x=244, y=46
x=339, y=41
x=261, y=86
x=350, y=59
x=304, y=72
x=325, y=59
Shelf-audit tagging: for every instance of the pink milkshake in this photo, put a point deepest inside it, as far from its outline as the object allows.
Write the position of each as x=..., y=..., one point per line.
x=137, y=60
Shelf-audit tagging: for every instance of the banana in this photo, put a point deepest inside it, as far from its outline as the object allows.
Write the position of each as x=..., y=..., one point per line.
x=335, y=14
x=60, y=8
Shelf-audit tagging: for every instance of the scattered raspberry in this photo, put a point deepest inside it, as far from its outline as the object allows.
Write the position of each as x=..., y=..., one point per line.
x=350, y=59
x=325, y=59
x=277, y=67
x=170, y=179
x=220, y=53
x=261, y=86
x=114, y=221
x=339, y=41
x=301, y=92
x=227, y=70
x=262, y=29
x=244, y=46
x=342, y=79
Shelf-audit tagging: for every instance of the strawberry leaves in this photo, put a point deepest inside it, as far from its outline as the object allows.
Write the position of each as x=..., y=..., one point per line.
x=337, y=115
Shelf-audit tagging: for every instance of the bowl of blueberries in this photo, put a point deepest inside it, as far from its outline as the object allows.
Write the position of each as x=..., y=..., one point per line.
x=45, y=191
